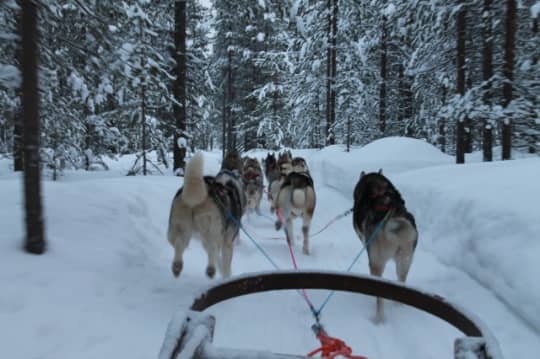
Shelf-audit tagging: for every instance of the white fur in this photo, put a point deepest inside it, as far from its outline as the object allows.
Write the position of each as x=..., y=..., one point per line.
x=195, y=191
x=299, y=197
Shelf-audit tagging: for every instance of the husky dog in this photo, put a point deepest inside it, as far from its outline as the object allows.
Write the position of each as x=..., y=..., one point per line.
x=271, y=170
x=374, y=197
x=296, y=198
x=211, y=208
x=285, y=167
x=252, y=178
x=232, y=161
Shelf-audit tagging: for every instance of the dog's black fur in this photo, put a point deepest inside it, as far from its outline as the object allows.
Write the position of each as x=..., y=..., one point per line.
x=297, y=180
x=370, y=204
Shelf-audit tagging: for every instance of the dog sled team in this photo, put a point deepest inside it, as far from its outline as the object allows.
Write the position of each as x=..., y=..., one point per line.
x=211, y=208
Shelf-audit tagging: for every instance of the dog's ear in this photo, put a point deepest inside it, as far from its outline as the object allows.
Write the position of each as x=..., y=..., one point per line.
x=380, y=171
x=362, y=174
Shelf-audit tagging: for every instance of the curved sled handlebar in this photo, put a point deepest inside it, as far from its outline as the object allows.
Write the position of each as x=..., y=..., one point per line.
x=479, y=342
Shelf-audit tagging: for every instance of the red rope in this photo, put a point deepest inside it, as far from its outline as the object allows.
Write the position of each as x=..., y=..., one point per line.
x=332, y=347
x=293, y=257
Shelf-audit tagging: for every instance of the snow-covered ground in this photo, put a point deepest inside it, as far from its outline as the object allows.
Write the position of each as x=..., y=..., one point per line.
x=105, y=289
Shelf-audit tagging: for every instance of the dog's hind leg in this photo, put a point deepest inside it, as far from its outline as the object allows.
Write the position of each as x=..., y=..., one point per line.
x=377, y=269
x=290, y=234
x=180, y=237
x=258, y=206
x=306, y=222
x=226, y=256
x=212, y=239
x=403, y=263
x=211, y=246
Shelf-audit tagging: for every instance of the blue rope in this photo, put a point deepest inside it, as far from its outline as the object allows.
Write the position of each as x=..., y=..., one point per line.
x=259, y=247
x=368, y=242
x=316, y=313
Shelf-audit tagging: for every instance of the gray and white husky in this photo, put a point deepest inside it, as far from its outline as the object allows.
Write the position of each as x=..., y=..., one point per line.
x=296, y=199
x=252, y=177
x=210, y=208
x=378, y=204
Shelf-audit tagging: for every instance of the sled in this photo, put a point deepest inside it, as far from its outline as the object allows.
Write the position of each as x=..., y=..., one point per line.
x=189, y=335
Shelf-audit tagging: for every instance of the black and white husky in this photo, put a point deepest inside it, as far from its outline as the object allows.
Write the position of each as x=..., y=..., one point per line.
x=380, y=216
x=210, y=208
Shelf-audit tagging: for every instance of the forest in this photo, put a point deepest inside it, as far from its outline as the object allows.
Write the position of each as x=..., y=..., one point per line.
x=136, y=75
x=107, y=107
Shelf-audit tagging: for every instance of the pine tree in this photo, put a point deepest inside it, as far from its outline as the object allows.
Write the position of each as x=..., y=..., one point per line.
x=180, y=147
x=460, y=85
x=35, y=237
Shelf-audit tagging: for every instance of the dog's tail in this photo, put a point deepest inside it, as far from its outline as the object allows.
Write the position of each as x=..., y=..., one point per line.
x=195, y=190
x=299, y=197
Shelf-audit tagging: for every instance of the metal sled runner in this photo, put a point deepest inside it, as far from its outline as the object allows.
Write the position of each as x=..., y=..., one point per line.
x=189, y=335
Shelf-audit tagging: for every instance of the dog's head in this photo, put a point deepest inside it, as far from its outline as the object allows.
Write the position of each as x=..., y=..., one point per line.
x=253, y=192
x=232, y=161
x=299, y=165
x=269, y=163
x=376, y=192
x=251, y=164
x=284, y=156
x=284, y=163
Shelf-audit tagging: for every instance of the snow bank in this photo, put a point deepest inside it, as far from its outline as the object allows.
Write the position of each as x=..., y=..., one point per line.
x=341, y=170
x=484, y=219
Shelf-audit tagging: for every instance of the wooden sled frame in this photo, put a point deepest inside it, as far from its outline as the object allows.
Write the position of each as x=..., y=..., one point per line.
x=190, y=334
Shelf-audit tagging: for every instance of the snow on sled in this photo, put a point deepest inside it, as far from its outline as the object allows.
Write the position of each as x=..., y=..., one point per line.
x=189, y=334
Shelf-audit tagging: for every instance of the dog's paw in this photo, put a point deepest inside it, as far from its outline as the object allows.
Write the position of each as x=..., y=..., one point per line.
x=177, y=268
x=305, y=250
x=278, y=225
x=210, y=271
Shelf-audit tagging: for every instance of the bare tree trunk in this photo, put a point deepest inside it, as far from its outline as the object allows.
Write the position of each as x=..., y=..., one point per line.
x=35, y=238
x=405, y=102
x=179, y=86
x=382, y=85
x=508, y=71
x=330, y=90
x=487, y=72
x=348, y=134
x=231, y=140
x=143, y=129
x=401, y=91
x=534, y=30
x=18, y=133
x=442, y=123
x=332, y=134
x=224, y=121
x=442, y=135
x=460, y=26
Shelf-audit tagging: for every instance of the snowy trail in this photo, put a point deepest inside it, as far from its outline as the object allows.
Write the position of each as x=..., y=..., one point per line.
x=281, y=320
x=105, y=288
